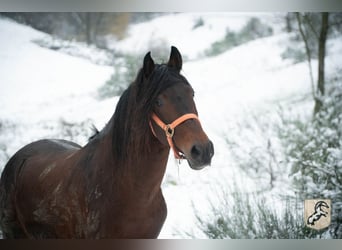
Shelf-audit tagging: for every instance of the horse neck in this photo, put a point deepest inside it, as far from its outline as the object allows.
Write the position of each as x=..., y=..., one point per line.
x=147, y=169
x=142, y=170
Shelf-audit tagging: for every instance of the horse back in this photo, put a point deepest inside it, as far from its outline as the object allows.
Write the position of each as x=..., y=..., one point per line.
x=37, y=151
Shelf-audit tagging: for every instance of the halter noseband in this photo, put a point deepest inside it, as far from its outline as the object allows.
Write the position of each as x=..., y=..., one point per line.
x=170, y=130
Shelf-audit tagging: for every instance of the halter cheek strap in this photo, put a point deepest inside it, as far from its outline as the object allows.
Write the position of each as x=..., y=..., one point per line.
x=169, y=130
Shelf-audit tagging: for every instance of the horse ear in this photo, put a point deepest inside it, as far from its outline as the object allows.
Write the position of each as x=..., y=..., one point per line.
x=175, y=60
x=148, y=65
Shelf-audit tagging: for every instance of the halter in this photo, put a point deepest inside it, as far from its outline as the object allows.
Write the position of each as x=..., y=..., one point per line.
x=169, y=130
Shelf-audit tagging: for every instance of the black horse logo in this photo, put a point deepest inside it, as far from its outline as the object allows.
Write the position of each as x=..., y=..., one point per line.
x=319, y=212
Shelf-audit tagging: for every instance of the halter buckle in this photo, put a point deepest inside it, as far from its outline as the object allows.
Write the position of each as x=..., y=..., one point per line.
x=169, y=131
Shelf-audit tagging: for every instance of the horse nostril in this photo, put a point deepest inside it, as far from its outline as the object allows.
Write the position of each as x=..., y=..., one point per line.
x=196, y=151
x=211, y=149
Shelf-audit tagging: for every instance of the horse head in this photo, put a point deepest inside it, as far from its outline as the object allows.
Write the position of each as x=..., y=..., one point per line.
x=174, y=117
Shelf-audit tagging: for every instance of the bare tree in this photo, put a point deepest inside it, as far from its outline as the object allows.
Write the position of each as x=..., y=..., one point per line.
x=321, y=58
x=313, y=29
x=305, y=37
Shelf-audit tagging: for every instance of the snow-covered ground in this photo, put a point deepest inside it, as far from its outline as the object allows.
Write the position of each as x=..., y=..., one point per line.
x=40, y=89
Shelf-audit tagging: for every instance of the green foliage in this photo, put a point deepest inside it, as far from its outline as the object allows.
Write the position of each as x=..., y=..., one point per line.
x=253, y=29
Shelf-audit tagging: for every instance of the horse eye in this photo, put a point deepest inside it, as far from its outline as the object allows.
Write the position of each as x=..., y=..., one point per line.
x=159, y=103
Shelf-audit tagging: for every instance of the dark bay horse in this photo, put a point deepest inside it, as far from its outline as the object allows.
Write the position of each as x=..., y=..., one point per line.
x=110, y=188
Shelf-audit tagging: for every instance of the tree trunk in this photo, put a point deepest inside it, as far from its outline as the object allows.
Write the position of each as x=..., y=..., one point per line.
x=288, y=22
x=307, y=50
x=321, y=58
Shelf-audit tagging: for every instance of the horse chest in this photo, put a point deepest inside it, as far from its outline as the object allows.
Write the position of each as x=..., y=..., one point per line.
x=135, y=220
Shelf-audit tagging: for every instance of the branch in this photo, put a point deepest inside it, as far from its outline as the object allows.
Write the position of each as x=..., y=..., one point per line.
x=307, y=20
x=308, y=52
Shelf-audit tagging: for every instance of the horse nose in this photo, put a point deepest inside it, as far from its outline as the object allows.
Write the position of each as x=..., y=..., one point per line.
x=203, y=153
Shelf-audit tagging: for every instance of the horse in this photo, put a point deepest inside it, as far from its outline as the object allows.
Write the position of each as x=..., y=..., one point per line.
x=111, y=187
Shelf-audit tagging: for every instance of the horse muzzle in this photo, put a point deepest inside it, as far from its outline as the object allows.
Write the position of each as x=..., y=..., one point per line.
x=200, y=155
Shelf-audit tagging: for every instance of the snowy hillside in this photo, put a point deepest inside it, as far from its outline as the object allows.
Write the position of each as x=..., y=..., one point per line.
x=43, y=92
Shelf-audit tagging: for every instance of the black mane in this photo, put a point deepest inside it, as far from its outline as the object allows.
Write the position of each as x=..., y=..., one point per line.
x=95, y=132
x=130, y=122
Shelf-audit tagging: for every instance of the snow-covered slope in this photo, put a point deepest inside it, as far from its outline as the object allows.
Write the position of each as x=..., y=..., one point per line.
x=41, y=88
x=183, y=30
x=38, y=85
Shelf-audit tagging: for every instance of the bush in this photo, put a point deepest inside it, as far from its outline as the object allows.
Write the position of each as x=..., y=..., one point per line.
x=253, y=29
x=229, y=41
x=125, y=71
x=313, y=150
x=297, y=55
x=199, y=22
x=248, y=216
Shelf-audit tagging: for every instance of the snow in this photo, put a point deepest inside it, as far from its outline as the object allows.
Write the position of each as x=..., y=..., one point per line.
x=178, y=30
x=39, y=85
x=40, y=88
